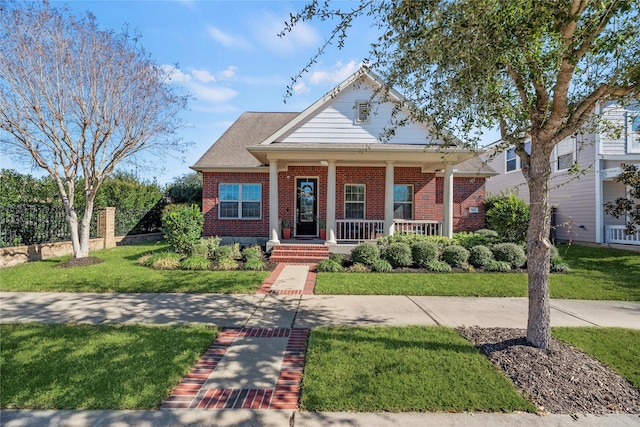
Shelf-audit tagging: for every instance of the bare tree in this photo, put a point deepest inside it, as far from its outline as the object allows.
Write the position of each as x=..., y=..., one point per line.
x=78, y=100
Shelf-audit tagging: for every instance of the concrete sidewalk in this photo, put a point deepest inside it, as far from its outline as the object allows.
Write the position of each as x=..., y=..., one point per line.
x=280, y=418
x=304, y=311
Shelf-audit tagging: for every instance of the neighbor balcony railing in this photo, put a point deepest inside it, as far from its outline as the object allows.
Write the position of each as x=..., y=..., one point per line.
x=359, y=230
x=616, y=234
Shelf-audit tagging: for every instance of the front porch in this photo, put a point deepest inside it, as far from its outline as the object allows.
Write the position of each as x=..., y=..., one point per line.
x=616, y=234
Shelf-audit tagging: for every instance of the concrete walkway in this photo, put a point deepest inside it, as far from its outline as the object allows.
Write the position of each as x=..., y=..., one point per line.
x=251, y=374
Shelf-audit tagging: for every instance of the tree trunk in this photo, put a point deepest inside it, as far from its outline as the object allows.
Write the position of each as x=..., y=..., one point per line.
x=538, y=247
x=85, y=229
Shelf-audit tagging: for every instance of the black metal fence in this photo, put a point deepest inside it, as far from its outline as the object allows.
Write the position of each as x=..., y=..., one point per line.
x=31, y=224
x=138, y=221
x=34, y=224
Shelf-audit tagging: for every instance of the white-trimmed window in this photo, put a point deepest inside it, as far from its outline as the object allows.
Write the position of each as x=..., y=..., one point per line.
x=363, y=110
x=512, y=161
x=633, y=132
x=240, y=201
x=403, y=201
x=565, y=154
x=354, y=201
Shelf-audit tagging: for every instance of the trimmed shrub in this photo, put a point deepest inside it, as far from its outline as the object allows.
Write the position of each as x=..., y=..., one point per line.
x=441, y=241
x=195, y=263
x=182, y=226
x=398, y=254
x=559, y=266
x=498, y=266
x=252, y=252
x=358, y=268
x=381, y=266
x=226, y=264
x=402, y=237
x=329, y=266
x=439, y=267
x=509, y=216
x=365, y=253
x=164, y=261
x=223, y=252
x=339, y=258
x=455, y=255
x=254, y=264
x=469, y=240
x=480, y=256
x=490, y=234
x=511, y=253
x=424, y=252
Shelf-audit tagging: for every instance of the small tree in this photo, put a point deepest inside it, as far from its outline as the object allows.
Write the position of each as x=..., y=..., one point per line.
x=78, y=100
x=627, y=207
x=186, y=189
x=509, y=216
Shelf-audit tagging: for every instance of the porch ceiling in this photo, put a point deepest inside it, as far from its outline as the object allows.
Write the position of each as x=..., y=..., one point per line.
x=427, y=157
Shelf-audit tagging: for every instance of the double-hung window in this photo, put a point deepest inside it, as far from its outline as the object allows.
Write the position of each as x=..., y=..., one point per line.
x=565, y=154
x=354, y=201
x=240, y=201
x=403, y=201
x=512, y=159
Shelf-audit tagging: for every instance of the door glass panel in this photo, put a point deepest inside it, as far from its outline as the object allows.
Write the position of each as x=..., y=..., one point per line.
x=306, y=194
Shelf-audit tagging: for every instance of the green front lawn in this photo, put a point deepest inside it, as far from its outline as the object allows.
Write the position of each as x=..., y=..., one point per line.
x=95, y=367
x=596, y=274
x=120, y=272
x=402, y=369
x=615, y=347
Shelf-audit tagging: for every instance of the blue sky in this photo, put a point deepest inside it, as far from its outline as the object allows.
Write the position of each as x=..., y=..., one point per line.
x=230, y=59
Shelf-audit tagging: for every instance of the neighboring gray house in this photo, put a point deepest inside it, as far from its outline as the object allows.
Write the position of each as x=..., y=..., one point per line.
x=580, y=198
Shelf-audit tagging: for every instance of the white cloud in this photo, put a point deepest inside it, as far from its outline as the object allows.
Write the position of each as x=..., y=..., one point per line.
x=175, y=75
x=202, y=76
x=301, y=87
x=211, y=93
x=267, y=27
x=227, y=39
x=228, y=73
x=337, y=74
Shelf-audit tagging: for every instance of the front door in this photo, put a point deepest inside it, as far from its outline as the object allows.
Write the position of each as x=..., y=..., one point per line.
x=306, y=207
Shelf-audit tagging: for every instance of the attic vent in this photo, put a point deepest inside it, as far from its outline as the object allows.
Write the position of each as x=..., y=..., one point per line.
x=362, y=112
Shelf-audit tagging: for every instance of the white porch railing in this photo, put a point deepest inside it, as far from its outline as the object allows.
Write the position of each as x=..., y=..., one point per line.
x=358, y=230
x=616, y=234
x=425, y=227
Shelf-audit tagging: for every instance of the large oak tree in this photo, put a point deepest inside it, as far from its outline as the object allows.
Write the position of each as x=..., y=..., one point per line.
x=78, y=100
x=535, y=68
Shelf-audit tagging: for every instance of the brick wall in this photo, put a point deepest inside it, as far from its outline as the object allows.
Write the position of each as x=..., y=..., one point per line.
x=428, y=197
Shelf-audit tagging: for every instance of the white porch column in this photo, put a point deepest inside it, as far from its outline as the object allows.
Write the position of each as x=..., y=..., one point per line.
x=388, y=199
x=331, y=202
x=273, y=203
x=447, y=201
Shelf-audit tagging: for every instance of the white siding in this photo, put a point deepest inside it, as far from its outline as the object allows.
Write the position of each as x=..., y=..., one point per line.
x=614, y=139
x=335, y=122
x=574, y=196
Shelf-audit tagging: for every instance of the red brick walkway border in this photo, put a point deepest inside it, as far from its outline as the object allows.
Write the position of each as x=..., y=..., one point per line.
x=309, y=285
x=190, y=394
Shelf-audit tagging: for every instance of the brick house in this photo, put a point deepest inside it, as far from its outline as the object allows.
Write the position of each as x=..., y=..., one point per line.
x=327, y=169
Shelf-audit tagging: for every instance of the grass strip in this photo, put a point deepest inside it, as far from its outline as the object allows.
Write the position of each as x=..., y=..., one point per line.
x=95, y=367
x=120, y=272
x=617, y=348
x=596, y=274
x=402, y=369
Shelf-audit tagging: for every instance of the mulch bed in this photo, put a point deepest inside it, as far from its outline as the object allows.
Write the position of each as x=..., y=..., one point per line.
x=560, y=379
x=80, y=262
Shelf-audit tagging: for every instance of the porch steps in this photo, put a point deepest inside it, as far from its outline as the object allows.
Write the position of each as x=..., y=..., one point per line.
x=299, y=253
